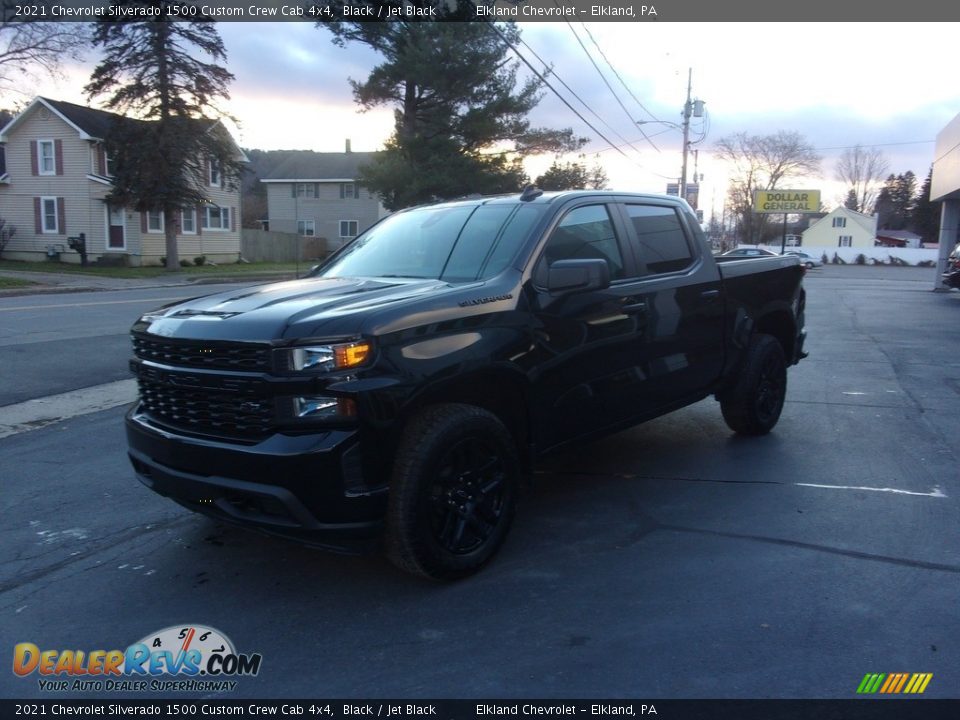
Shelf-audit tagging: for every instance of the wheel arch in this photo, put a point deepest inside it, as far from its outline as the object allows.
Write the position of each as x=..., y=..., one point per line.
x=500, y=391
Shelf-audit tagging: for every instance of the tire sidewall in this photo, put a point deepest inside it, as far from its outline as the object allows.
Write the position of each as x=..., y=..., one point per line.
x=410, y=511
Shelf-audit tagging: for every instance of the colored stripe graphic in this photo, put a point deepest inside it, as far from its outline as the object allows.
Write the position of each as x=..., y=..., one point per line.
x=870, y=683
x=894, y=683
x=918, y=683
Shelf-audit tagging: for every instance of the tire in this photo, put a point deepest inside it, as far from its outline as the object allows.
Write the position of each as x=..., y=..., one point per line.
x=453, y=492
x=810, y=266
x=754, y=404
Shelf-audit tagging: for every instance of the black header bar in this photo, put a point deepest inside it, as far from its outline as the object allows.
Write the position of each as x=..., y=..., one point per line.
x=858, y=709
x=522, y=11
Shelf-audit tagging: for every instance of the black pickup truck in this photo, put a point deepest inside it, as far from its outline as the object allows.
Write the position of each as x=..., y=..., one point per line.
x=399, y=393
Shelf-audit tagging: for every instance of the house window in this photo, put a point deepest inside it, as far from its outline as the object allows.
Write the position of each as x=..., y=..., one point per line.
x=306, y=190
x=306, y=227
x=188, y=222
x=348, y=190
x=107, y=165
x=216, y=218
x=846, y=241
x=49, y=217
x=215, y=173
x=155, y=221
x=46, y=157
x=348, y=228
x=839, y=222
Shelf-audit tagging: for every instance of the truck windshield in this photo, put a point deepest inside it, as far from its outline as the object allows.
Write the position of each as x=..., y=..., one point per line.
x=456, y=244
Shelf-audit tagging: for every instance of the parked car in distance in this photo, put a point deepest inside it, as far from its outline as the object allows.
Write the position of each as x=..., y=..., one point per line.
x=748, y=252
x=808, y=260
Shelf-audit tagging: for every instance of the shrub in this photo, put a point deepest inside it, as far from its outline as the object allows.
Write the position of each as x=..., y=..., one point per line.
x=184, y=263
x=824, y=259
x=926, y=263
x=837, y=260
x=200, y=260
x=861, y=259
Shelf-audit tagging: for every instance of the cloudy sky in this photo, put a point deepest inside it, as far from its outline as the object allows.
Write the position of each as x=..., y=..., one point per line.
x=885, y=85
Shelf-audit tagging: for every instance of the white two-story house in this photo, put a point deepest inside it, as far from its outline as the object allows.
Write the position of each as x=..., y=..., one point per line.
x=316, y=194
x=842, y=228
x=56, y=181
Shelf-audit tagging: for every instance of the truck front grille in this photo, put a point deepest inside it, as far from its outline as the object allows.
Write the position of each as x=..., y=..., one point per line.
x=241, y=357
x=205, y=411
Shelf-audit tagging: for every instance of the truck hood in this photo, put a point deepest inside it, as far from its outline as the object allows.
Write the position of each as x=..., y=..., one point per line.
x=288, y=310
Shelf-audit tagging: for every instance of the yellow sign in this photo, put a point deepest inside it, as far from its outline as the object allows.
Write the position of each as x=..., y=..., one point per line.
x=786, y=201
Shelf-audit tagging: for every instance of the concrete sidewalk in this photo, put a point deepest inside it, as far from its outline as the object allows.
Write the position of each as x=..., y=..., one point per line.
x=82, y=282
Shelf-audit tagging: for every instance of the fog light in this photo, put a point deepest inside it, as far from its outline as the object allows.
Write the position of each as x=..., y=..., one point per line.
x=319, y=406
x=324, y=406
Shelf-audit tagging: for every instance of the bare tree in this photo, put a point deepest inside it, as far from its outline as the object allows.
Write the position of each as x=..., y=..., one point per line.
x=31, y=49
x=862, y=169
x=762, y=162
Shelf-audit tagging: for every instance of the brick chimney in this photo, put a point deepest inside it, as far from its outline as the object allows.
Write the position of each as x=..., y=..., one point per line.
x=348, y=145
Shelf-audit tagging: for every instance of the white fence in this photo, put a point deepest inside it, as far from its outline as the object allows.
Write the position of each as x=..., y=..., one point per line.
x=871, y=256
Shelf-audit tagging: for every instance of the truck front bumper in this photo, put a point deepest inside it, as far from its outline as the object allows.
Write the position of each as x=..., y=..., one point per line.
x=306, y=487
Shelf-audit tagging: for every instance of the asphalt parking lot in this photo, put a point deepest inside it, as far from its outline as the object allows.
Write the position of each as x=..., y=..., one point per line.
x=673, y=560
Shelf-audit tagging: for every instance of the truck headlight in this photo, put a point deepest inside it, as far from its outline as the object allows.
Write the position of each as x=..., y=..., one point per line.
x=330, y=357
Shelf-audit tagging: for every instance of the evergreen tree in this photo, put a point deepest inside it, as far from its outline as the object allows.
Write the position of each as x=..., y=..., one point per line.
x=461, y=115
x=569, y=176
x=851, y=202
x=162, y=152
x=925, y=220
x=895, y=201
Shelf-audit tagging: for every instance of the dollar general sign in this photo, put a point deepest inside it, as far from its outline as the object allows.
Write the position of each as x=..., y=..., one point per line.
x=786, y=201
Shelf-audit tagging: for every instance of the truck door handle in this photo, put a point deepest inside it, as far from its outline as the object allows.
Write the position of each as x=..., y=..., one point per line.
x=710, y=294
x=637, y=308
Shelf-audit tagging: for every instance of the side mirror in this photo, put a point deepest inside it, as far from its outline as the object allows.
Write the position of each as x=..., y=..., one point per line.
x=578, y=275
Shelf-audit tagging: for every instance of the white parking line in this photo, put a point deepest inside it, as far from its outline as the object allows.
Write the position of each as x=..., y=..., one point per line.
x=935, y=492
x=38, y=413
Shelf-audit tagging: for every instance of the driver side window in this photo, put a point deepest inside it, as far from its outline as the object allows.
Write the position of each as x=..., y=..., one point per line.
x=584, y=233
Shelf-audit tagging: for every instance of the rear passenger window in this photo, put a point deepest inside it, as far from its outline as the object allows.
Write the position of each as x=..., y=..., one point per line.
x=662, y=244
x=585, y=233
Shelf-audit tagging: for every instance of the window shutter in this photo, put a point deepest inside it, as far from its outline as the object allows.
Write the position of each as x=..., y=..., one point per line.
x=200, y=217
x=61, y=216
x=343, y=193
x=34, y=159
x=316, y=190
x=37, y=221
x=143, y=222
x=206, y=171
x=233, y=219
x=101, y=161
x=293, y=189
x=58, y=153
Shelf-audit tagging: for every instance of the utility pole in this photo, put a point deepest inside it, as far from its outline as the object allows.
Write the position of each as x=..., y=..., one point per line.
x=687, y=112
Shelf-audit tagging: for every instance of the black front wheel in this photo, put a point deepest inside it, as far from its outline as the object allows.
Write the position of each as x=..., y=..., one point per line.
x=753, y=405
x=453, y=492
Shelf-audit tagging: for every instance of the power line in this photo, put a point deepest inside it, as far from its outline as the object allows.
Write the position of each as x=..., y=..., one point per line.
x=607, y=83
x=890, y=144
x=562, y=99
x=610, y=65
x=580, y=99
